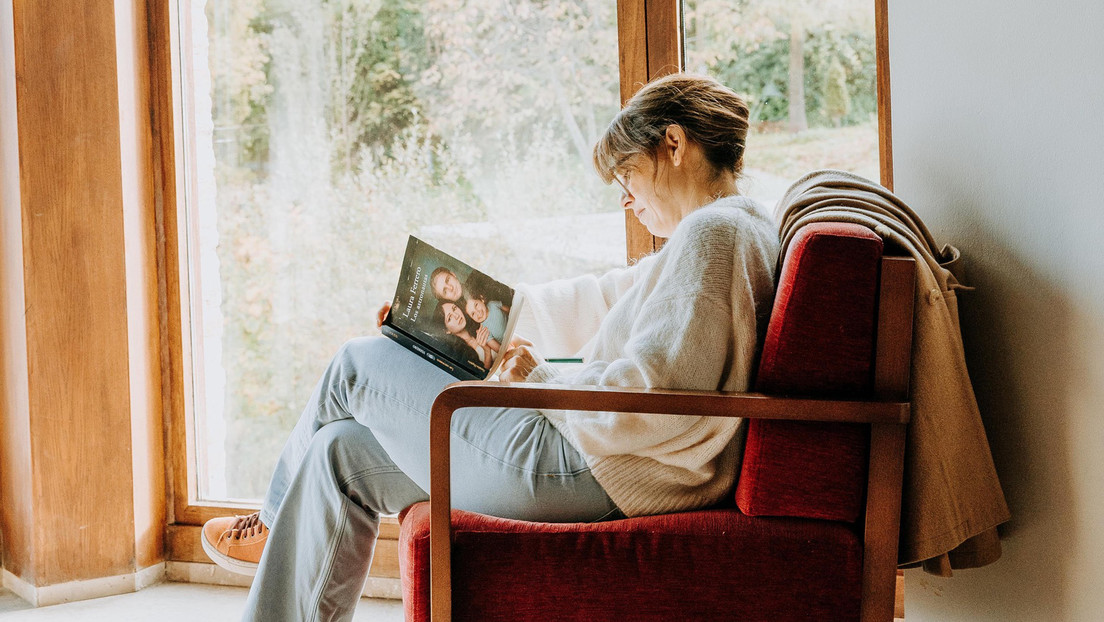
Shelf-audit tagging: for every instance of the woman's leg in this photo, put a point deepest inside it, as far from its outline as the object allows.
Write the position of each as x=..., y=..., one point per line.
x=333, y=480
x=321, y=544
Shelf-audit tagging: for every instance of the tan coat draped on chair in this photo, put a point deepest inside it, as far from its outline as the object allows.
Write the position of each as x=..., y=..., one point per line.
x=951, y=500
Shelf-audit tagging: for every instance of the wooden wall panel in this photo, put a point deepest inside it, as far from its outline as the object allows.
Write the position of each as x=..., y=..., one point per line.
x=15, y=444
x=81, y=469
x=75, y=288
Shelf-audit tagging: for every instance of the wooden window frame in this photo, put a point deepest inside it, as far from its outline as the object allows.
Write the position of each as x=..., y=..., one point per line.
x=650, y=44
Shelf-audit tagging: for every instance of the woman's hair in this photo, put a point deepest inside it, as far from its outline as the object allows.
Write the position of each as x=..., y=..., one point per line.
x=711, y=114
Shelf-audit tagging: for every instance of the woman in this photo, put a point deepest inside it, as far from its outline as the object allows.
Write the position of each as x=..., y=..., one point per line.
x=687, y=317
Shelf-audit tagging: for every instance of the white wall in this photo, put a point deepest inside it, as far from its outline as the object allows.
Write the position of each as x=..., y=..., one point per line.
x=998, y=136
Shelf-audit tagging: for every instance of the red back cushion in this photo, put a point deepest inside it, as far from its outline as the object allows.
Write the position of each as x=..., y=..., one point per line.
x=820, y=342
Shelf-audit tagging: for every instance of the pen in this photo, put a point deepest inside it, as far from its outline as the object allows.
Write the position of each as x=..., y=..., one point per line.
x=563, y=360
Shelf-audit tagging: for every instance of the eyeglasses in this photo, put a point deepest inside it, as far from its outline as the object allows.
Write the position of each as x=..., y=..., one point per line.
x=624, y=183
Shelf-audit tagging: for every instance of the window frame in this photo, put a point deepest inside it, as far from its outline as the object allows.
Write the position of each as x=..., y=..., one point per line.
x=650, y=44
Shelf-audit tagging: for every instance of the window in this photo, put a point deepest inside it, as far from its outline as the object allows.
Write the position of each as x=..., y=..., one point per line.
x=318, y=135
x=312, y=137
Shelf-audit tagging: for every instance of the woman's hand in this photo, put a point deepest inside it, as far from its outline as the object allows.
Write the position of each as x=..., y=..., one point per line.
x=519, y=361
x=382, y=313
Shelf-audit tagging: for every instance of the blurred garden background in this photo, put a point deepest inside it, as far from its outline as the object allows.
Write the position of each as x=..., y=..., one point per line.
x=323, y=132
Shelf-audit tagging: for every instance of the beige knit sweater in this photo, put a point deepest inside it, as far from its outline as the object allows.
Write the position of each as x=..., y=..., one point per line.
x=687, y=317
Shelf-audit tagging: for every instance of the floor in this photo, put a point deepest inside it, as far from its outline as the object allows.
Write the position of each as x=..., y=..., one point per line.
x=173, y=602
x=168, y=602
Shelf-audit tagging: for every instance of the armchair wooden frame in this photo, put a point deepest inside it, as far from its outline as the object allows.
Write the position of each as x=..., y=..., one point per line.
x=887, y=414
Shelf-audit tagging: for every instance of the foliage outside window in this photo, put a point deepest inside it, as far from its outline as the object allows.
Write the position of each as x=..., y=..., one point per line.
x=807, y=70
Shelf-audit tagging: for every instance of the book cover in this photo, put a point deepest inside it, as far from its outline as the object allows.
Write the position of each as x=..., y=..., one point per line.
x=451, y=314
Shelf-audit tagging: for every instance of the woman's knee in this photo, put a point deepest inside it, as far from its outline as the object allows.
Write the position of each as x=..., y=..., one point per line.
x=346, y=447
x=358, y=358
x=359, y=348
x=339, y=436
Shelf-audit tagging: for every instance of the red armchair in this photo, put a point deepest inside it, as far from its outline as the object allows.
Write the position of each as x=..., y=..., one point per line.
x=811, y=531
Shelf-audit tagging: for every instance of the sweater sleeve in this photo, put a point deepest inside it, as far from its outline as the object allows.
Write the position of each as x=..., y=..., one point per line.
x=688, y=333
x=655, y=358
x=560, y=317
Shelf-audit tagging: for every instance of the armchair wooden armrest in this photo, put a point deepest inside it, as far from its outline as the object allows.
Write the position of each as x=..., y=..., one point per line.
x=660, y=401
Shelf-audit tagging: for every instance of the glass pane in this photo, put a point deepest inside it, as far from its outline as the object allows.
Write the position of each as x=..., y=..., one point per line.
x=321, y=132
x=807, y=71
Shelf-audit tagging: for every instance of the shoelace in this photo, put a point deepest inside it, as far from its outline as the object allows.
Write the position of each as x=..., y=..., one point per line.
x=247, y=526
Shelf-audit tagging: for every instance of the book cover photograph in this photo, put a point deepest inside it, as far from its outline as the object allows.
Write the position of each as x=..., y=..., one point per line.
x=450, y=313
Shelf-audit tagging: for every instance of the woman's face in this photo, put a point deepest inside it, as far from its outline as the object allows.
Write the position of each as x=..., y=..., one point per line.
x=477, y=309
x=644, y=191
x=446, y=286
x=454, y=318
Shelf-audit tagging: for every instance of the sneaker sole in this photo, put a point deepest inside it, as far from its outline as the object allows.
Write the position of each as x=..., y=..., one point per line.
x=225, y=561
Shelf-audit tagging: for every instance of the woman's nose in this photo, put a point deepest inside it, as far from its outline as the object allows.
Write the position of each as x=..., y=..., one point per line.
x=626, y=200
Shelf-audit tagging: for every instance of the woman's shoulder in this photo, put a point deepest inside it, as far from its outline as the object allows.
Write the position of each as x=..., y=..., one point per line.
x=727, y=218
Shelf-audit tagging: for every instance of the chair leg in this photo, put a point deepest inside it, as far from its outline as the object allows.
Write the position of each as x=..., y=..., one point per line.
x=883, y=519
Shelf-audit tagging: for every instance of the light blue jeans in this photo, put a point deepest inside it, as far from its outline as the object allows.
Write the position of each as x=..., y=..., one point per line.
x=361, y=449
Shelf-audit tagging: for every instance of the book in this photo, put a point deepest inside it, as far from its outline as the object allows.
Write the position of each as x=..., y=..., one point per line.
x=451, y=314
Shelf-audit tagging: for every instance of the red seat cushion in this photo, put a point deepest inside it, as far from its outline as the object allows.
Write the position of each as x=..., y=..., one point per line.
x=706, y=565
x=820, y=342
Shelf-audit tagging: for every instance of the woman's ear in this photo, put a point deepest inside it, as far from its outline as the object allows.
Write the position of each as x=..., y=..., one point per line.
x=675, y=143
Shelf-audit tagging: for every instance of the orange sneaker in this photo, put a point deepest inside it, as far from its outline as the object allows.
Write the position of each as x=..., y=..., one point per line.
x=235, y=542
